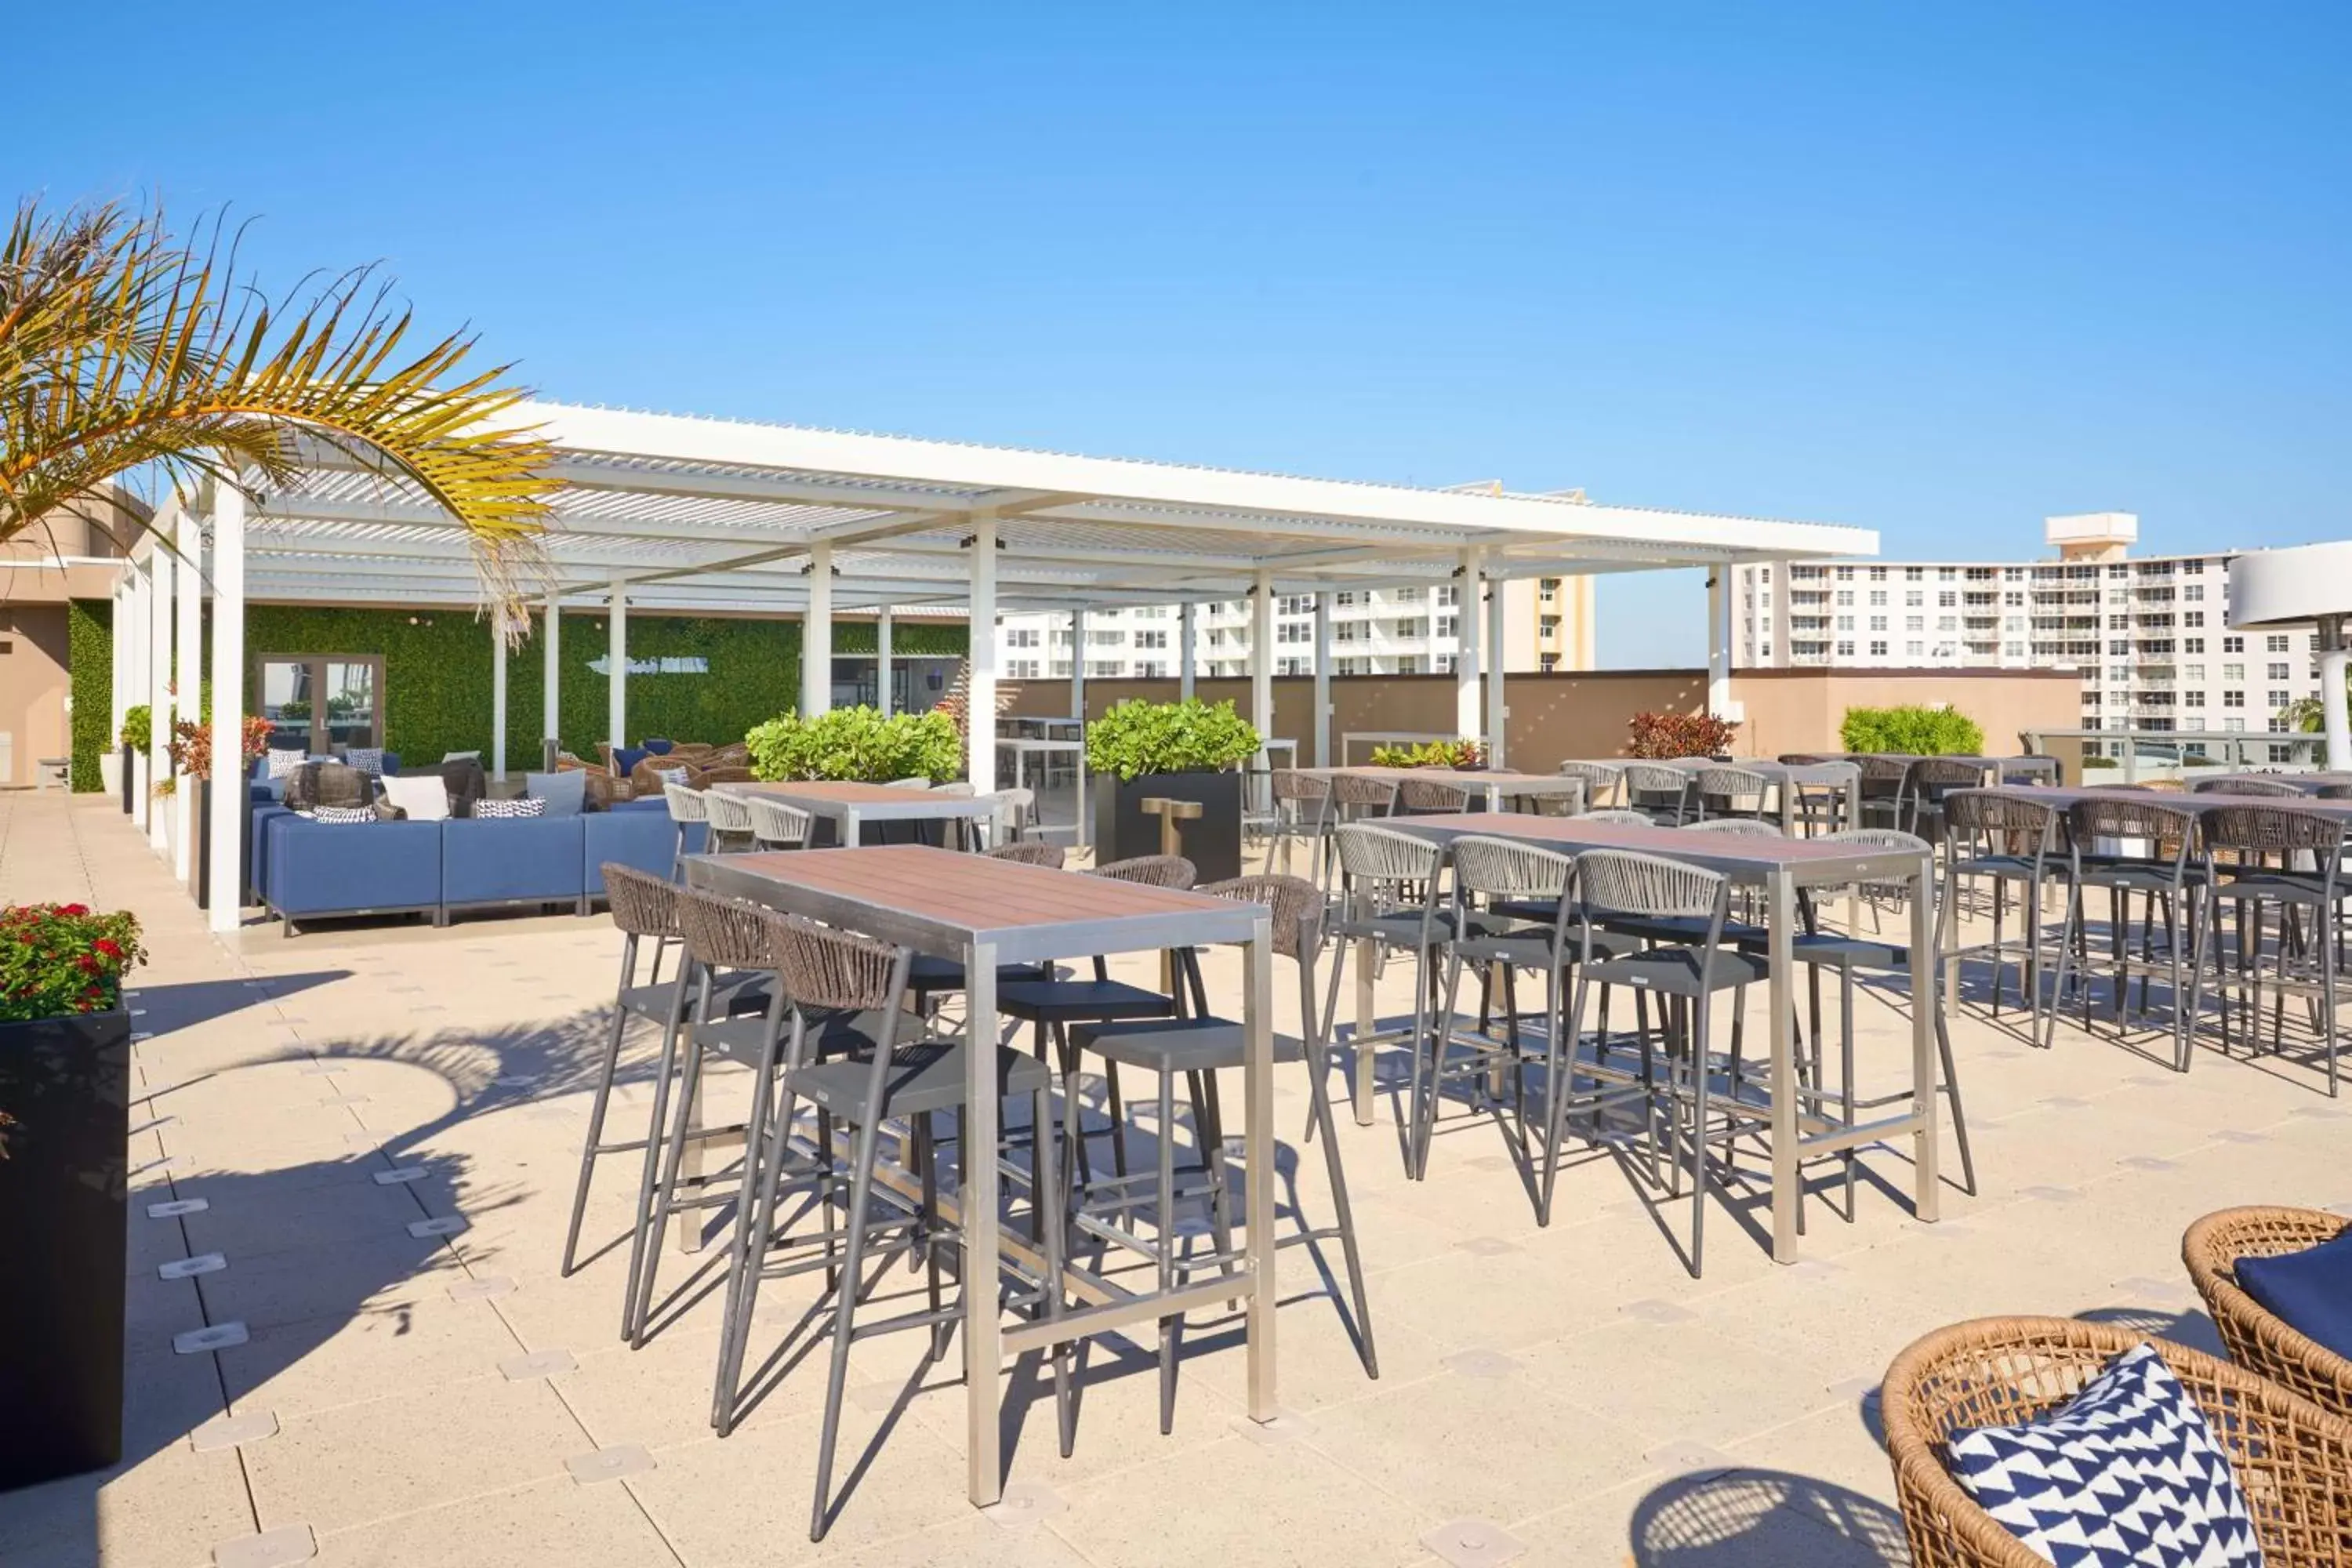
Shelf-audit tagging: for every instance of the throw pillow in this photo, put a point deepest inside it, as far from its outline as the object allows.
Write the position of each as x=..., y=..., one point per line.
x=566, y=793
x=461, y=756
x=2126, y=1474
x=671, y=776
x=282, y=763
x=2310, y=1290
x=341, y=814
x=422, y=797
x=525, y=805
x=369, y=760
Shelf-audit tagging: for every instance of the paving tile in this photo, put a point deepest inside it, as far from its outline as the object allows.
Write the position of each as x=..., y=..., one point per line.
x=319, y=1363
x=279, y=1548
x=1318, y=1509
x=1474, y=1543
x=551, y=1522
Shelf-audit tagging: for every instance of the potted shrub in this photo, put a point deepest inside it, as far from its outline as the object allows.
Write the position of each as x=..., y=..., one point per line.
x=1181, y=751
x=1658, y=737
x=1468, y=756
x=858, y=745
x=65, y=1081
x=136, y=733
x=190, y=751
x=1911, y=729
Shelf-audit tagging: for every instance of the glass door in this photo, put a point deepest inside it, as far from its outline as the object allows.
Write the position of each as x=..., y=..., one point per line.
x=286, y=702
x=349, y=687
x=321, y=704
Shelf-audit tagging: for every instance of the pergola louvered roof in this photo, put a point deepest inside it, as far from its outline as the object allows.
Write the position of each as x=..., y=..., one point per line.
x=701, y=514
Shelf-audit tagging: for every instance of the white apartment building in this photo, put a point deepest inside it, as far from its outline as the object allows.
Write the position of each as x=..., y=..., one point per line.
x=2150, y=635
x=1548, y=625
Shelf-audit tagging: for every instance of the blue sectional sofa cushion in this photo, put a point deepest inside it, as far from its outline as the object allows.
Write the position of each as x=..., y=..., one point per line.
x=637, y=834
x=312, y=868
x=2310, y=1289
x=566, y=793
x=501, y=860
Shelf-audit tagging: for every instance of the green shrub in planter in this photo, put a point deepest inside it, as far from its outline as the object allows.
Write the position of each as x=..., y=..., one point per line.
x=138, y=732
x=1458, y=754
x=1137, y=738
x=856, y=744
x=1912, y=730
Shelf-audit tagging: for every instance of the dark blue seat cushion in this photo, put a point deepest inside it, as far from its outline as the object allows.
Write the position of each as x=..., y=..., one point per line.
x=627, y=757
x=2310, y=1290
x=491, y=860
x=637, y=834
x=315, y=869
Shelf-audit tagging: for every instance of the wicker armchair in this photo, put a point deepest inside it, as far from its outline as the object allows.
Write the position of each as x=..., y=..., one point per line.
x=646, y=778
x=2293, y=1459
x=2258, y=1339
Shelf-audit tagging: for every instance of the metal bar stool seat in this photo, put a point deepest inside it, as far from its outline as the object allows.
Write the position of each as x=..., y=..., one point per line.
x=1679, y=971
x=919, y=1078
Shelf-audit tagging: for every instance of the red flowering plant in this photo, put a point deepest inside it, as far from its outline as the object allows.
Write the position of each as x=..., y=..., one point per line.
x=1657, y=736
x=190, y=745
x=60, y=959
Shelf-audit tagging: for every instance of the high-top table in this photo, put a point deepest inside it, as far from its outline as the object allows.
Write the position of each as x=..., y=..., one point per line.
x=983, y=913
x=2308, y=782
x=1844, y=777
x=1495, y=785
x=849, y=806
x=1780, y=866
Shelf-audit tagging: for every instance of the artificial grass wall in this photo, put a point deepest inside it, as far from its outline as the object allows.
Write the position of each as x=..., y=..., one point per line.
x=89, y=667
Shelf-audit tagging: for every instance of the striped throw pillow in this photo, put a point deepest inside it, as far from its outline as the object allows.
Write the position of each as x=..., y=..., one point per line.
x=524, y=805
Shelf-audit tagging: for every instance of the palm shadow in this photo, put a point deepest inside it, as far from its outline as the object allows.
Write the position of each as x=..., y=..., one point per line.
x=1755, y=1518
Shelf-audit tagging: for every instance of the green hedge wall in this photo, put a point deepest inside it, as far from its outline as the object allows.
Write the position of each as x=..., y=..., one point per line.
x=89, y=663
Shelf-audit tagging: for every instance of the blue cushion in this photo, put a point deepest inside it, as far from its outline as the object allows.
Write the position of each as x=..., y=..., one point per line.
x=657, y=747
x=566, y=793
x=627, y=757
x=2126, y=1474
x=312, y=868
x=2310, y=1290
x=494, y=860
x=646, y=840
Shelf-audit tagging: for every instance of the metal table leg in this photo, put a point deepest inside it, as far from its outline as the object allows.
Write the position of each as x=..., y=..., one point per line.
x=983, y=1324
x=1927, y=1001
x=1780, y=897
x=1258, y=1098
x=1367, y=1022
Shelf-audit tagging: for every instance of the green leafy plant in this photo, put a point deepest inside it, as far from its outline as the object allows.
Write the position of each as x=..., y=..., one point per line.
x=856, y=744
x=1137, y=738
x=1657, y=736
x=137, y=728
x=89, y=661
x=62, y=959
x=1911, y=729
x=2090, y=762
x=1431, y=754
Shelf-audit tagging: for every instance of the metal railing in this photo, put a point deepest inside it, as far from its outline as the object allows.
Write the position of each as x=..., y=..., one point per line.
x=2178, y=754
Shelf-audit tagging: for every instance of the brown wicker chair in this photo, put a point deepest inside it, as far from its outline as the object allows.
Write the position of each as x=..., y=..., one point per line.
x=2258, y=1339
x=2293, y=1459
x=646, y=778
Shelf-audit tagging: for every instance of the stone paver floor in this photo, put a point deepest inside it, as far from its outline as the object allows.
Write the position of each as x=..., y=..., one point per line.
x=1567, y=1394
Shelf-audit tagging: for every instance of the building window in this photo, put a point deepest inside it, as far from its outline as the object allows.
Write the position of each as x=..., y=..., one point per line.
x=1914, y=623
x=2278, y=642
x=1449, y=593
x=1449, y=625
x=1845, y=650
x=1020, y=669
x=1346, y=598
x=2234, y=645
x=2234, y=699
x=1413, y=626
x=1878, y=623
x=1878, y=650
x=2278, y=671
x=1912, y=649
x=2192, y=699
x=1297, y=605
x=2280, y=698
x=1152, y=639
x=1348, y=631
x=2193, y=644
x=1407, y=596
x=1409, y=665
x=2192, y=617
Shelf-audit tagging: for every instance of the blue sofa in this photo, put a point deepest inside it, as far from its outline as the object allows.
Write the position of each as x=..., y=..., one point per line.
x=377, y=867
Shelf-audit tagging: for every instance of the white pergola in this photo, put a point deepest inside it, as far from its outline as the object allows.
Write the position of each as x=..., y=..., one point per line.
x=679, y=515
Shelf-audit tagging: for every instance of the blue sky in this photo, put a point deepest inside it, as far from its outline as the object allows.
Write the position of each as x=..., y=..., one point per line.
x=1937, y=271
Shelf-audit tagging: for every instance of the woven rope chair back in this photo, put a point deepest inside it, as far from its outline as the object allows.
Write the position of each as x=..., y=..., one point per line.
x=1981, y=813
x=2245, y=786
x=727, y=813
x=1504, y=868
x=1151, y=870
x=1736, y=828
x=1626, y=882
x=2336, y=792
x=1626, y=815
x=1290, y=783
x=1643, y=778
x=960, y=787
x=1601, y=780
x=1878, y=838
x=685, y=805
x=1946, y=773
x=1354, y=789
x=1429, y=794
x=1379, y=860
x=642, y=904
x=1883, y=778
x=1297, y=905
x=2268, y=830
x=2168, y=826
x=824, y=968
x=1734, y=785
x=724, y=933
x=773, y=822
x=1030, y=852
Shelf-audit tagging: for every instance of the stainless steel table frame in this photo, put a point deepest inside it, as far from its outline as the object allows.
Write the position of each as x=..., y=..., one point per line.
x=849, y=806
x=983, y=913
x=1021, y=749
x=1780, y=866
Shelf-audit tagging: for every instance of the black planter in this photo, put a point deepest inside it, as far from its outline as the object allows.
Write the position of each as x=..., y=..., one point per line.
x=67, y=1083
x=1213, y=841
x=130, y=778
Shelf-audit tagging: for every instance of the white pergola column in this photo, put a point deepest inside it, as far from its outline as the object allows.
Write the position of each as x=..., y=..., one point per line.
x=134, y=631
x=616, y=667
x=980, y=683
x=1718, y=641
x=118, y=644
x=1262, y=657
x=1496, y=710
x=498, y=702
x=162, y=579
x=2332, y=720
x=188, y=659
x=1078, y=664
x=816, y=634
x=882, y=629
x=229, y=815
x=550, y=676
x=1469, y=722
x=1185, y=645
x=1323, y=754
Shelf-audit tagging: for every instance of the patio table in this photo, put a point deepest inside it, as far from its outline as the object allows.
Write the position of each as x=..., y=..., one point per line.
x=2197, y=804
x=983, y=913
x=849, y=806
x=1780, y=866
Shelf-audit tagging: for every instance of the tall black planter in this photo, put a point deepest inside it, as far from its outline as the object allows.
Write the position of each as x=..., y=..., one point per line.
x=67, y=1082
x=130, y=778
x=1213, y=841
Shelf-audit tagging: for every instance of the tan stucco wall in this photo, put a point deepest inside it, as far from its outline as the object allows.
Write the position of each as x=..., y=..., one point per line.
x=33, y=687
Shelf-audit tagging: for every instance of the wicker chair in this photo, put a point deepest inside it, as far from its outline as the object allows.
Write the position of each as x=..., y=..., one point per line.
x=2258, y=1339
x=1601, y=781
x=2241, y=784
x=1423, y=798
x=2293, y=1459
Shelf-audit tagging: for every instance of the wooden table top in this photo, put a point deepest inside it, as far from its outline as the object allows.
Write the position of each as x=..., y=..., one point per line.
x=940, y=901
x=2195, y=803
x=834, y=798
x=1743, y=858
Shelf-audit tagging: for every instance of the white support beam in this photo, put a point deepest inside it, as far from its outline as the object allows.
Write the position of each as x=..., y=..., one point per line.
x=816, y=636
x=1187, y=616
x=1719, y=643
x=1322, y=724
x=979, y=684
x=229, y=815
x=1469, y=721
x=188, y=662
x=1261, y=665
x=1078, y=664
x=137, y=624
x=883, y=693
x=497, y=703
x=118, y=644
x=162, y=575
x=550, y=678
x=617, y=668
x=1497, y=712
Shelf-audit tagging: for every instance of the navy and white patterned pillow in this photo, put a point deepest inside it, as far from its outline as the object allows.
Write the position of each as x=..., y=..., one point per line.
x=2127, y=1474
x=670, y=775
x=521, y=806
x=369, y=760
x=283, y=762
x=340, y=814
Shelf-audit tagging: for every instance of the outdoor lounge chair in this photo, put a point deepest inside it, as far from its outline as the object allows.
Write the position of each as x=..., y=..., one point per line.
x=2259, y=1340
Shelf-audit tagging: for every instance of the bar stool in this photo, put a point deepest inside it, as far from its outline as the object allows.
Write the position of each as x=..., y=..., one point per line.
x=645, y=908
x=2254, y=834
x=686, y=807
x=1601, y=780
x=2274, y=788
x=731, y=826
x=1659, y=794
x=1302, y=813
x=1883, y=788
x=1200, y=1048
x=1356, y=796
x=2178, y=882
x=2004, y=839
x=1931, y=782
x=844, y=1054
x=1388, y=886
x=1818, y=806
x=1741, y=793
x=775, y=826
